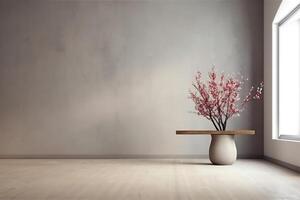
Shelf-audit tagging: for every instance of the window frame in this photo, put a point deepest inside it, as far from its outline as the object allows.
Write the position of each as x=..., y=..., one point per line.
x=275, y=73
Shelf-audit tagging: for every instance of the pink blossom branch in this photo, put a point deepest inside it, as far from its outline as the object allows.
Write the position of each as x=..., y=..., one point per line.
x=218, y=99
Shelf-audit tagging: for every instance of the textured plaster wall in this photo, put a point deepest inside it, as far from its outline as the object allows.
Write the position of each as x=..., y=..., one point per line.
x=112, y=77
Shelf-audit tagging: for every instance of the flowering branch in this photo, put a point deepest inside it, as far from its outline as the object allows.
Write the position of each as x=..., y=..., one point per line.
x=218, y=100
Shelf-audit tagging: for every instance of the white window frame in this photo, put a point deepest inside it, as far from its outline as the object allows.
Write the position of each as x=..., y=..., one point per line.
x=285, y=11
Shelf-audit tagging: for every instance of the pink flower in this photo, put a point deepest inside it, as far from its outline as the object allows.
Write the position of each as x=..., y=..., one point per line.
x=219, y=99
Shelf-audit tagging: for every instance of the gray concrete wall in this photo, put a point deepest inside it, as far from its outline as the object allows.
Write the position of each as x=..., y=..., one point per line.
x=112, y=77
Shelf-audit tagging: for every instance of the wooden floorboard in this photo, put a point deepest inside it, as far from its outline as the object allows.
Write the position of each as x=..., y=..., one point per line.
x=149, y=179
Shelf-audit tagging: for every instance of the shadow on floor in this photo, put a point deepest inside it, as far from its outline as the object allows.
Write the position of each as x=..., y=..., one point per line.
x=174, y=161
x=195, y=163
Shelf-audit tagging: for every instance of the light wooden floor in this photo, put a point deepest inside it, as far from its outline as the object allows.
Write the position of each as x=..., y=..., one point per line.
x=129, y=179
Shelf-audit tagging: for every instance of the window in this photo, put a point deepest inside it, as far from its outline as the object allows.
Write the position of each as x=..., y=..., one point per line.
x=288, y=75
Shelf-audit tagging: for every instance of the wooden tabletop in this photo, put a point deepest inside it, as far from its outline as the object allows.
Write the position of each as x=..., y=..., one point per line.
x=211, y=132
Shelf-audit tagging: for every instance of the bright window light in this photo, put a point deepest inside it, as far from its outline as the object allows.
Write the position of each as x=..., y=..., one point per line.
x=289, y=75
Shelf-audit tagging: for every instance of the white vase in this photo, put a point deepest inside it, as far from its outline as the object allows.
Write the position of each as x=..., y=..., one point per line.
x=222, y=149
